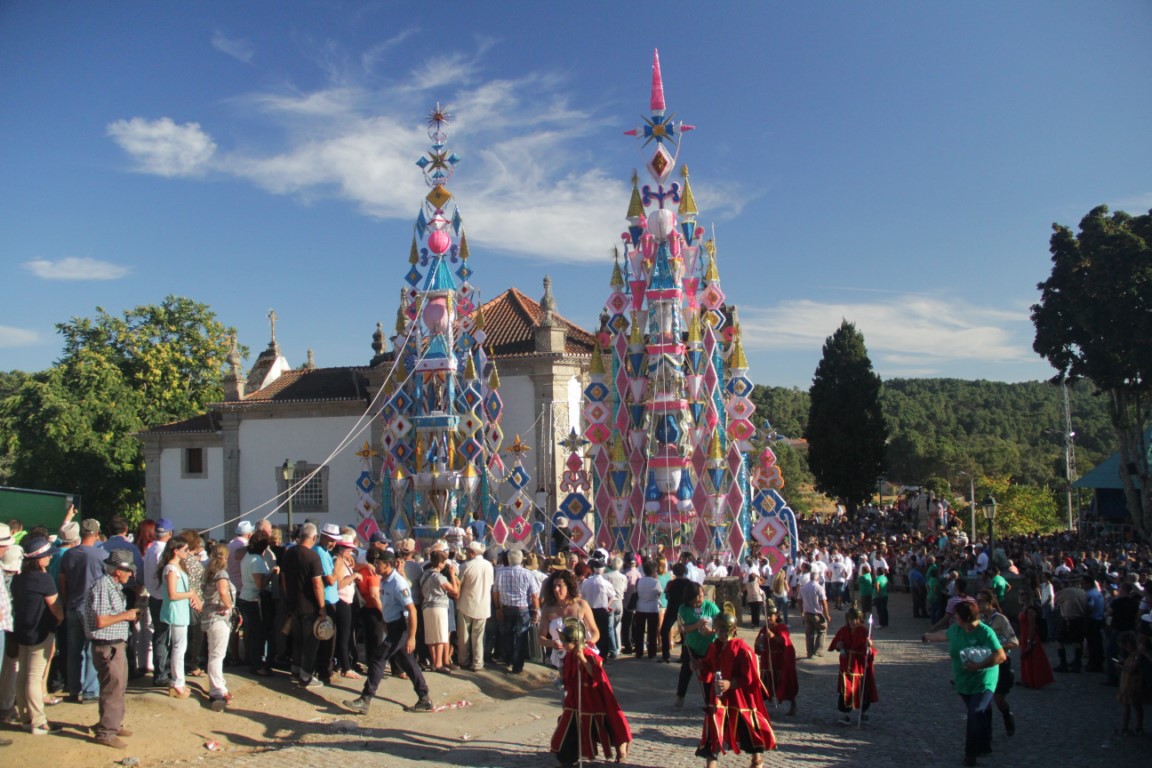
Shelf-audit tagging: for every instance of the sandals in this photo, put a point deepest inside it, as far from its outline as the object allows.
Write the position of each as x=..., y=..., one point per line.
x=196, y=673
x=443, y=670
x=351, y=675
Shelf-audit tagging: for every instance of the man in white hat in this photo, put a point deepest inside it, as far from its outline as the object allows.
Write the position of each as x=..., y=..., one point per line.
x=237, y=548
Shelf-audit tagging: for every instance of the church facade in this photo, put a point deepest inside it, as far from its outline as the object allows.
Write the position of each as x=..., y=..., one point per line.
x=228, y=464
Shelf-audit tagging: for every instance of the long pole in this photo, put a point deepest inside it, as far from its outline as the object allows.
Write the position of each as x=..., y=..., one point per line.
x=291, y=483
x=864, y=677
x=972, y=503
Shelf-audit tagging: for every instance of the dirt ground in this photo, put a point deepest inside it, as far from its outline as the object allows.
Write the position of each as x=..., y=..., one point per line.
x=265, y=714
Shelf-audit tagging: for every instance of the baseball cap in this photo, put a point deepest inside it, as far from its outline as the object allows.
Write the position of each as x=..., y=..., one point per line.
x=164, y=525
x=378, y=538
x=90, y=525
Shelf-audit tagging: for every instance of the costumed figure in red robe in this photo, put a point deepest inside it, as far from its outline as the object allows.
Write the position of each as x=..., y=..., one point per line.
x=1035, y=669
x=735, y=717
x=856, y=686
x=592, y=719
x=778, y=660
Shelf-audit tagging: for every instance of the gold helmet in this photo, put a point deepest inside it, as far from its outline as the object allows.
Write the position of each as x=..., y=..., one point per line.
x=726, y=622
x=573, y=631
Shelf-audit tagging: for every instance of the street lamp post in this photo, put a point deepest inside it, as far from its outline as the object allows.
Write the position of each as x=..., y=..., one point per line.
x=288, y=472
x=971, y=501
x=988, y=507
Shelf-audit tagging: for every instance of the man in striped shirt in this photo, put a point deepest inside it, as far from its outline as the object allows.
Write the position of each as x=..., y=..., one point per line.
x=517, y=600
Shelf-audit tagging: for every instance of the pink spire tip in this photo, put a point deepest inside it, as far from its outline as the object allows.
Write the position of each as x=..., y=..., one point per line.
x=657, y=85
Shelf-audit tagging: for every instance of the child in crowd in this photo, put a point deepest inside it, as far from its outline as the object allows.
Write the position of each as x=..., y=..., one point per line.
x=856, y=686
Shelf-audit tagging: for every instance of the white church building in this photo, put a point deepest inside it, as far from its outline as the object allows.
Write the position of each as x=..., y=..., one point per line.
x=228, y=464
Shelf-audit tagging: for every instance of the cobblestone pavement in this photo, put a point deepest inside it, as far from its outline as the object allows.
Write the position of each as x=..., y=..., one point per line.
x=918, y=721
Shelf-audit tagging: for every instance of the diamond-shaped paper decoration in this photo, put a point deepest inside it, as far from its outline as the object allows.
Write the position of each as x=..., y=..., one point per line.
x=712, y=297
x=519, y=529
x=519, y=477
x=387, y=411
x=575, y=505
x=618, y=323
x=713, y=317
x=413, y=277
x=596, y=392
x=519, y=504
x=596, y=413
x=740, y=386
x=438, y=196
x=464, y=341
x=469, y=424
x=457, y=220
x=401, y=401
x=500, y=531
x=769, y=531
x=493, y=406
x=400, y=426
x=470, y=398
x=735, y=539
x=494, y=434
x=464, y=272
x=580, y=535
x=423, y=163
x=617, y=303
x=740, y=407
x=661, y=164
x=470, y=449
x=365, y=482
x=465, y=306
x=598, y=433
x=401, y=451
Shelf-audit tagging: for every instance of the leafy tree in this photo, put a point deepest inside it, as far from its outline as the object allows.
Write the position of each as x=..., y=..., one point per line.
x=1020, y=509
x=71, y=427
x=1094, y=321
x=846, y=427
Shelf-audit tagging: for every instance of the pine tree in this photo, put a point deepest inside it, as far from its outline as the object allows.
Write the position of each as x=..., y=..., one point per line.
x=847, y=432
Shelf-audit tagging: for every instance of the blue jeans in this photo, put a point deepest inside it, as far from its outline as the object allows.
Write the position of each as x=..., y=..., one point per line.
x=782, y=607
x=514, y=630
x=81, y=671
x=978, y=735
x=161, y=675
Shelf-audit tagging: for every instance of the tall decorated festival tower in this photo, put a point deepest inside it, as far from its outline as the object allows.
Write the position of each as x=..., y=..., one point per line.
x=675, y=459
x=441, y=434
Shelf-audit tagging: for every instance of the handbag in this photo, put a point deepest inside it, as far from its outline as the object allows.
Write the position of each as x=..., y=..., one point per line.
x=631, y=604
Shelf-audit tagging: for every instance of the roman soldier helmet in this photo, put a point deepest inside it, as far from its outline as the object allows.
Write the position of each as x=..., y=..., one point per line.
x=573, y=631
x=726, y=622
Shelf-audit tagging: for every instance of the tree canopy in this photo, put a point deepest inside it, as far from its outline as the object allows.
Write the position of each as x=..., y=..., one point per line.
x=1094, y=321
x=846, y=430
x=71, y=428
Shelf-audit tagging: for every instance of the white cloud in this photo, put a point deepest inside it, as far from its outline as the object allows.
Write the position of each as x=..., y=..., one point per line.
x=73, y=268
x=237, y=47
x=162, y=147
x=17, y=337
x=1136, y=205
x=909, y=333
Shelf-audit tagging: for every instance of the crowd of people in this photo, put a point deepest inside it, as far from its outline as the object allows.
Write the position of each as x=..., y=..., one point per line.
x=87, y=609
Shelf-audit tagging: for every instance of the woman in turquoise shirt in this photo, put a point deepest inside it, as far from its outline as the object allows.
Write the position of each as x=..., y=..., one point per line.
x=695, y=615
x=177, y=604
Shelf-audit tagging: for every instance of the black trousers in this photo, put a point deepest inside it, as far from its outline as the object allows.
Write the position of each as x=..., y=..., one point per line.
x=393, y=646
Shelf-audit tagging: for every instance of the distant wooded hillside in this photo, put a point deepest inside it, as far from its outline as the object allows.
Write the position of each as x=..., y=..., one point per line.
x=940, y=428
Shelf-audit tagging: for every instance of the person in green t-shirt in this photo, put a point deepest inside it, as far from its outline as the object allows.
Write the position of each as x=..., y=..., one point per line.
x=695, y=616
x=866, y=588
x=976, y=655
x=880, y=599
x=998, y=584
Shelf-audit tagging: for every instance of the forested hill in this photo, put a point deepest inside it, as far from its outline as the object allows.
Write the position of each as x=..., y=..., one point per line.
x=942, y=427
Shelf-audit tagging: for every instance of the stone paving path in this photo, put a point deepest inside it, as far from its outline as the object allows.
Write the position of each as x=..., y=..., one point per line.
x=918, y=721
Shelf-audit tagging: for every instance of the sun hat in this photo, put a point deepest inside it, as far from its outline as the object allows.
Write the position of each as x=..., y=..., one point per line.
x=5, y=535
x=69, y=532
x=324, y=628
x=331, y=530
x=37, y=548
x=13, y=556
x=476, y=548
x=244, y=528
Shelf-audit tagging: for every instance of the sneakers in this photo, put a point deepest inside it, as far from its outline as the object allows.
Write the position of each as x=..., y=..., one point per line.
x=359, y=705
x=45, y=730
x=219, y=705
x=111, y=741
x=313, y=683
x=424, y=704
x=1009, y=723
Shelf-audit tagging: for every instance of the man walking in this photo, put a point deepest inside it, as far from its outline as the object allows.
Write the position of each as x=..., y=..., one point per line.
x=473, y=607
x=517, y=600
x=106, y=622
x=814, y=604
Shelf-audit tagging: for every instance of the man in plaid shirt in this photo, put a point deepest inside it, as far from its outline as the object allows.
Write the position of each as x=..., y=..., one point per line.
x=106, y=621
x=517, y=600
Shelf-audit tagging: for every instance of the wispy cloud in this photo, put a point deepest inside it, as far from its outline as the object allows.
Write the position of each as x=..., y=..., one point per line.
x=17, y=337
x=913, y=334
x=237, y=47
x=73, y=268
x=371, y=58
x=1136, y=204
x=162, y=147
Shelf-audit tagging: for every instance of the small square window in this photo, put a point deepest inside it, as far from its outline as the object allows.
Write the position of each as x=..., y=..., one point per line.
x=193, y=464
x=311, y=487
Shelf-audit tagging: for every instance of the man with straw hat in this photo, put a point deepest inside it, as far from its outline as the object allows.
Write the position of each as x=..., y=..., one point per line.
x=106, y=620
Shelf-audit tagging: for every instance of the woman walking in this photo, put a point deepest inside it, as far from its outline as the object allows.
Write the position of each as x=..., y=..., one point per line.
x=696, y=616
x=591, y=719
x=216, y=620
x=561, y=598
x=178, y=601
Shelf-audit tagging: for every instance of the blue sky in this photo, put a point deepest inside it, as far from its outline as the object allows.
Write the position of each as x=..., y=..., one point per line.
x=898, y=164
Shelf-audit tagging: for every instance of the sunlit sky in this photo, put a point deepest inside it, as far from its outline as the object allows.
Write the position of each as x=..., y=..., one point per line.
x=897, y=164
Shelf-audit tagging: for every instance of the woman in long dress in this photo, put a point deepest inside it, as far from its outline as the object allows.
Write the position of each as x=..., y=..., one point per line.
x=592, y=719
x=778, y=660
x=1035, y=670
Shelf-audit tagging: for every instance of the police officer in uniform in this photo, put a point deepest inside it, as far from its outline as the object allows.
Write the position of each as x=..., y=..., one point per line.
x=392, y=638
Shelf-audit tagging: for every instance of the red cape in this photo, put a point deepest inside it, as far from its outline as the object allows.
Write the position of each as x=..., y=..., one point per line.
x=589, y=698
x=743, y=702
x=857, y=673
x=778, y=663
x=1035, y=669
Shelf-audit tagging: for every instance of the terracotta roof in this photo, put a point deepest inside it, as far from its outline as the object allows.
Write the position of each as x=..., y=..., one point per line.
x=205, y=422
x=311, y=384
x=509, y=320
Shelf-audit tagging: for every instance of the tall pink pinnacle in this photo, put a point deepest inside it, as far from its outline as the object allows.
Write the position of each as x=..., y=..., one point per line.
x=657, y=85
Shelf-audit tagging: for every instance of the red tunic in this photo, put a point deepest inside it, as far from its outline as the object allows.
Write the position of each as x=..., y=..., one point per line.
x=742, y=704
x=1035, y=670
x=778, y=663
x=857, y=673
x=590, y=698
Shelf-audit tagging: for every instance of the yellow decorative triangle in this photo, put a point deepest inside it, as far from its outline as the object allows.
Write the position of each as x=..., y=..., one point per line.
x=635, y=205
x=413, y=254
x=463, y=246
x=687, y=201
